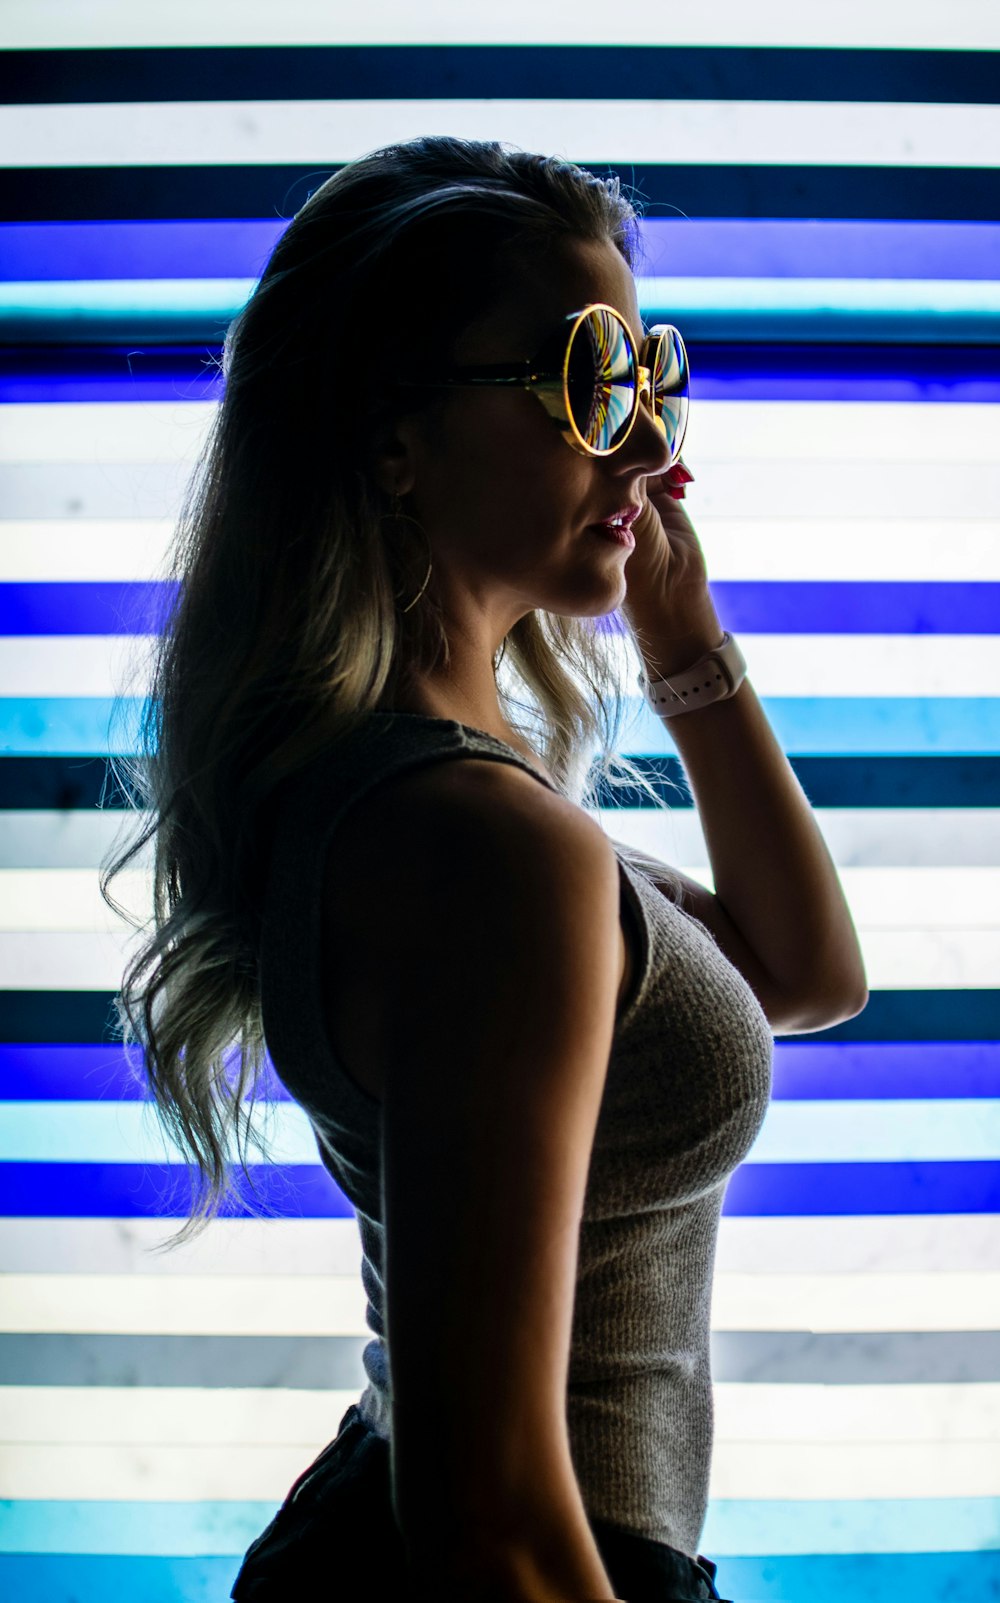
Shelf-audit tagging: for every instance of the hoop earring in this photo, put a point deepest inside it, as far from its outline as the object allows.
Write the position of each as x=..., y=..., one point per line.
x=400, y=516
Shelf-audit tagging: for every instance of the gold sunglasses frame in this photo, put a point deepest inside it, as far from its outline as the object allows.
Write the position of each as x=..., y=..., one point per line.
x=552, y=388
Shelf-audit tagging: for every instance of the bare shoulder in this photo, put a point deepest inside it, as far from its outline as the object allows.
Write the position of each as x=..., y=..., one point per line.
x=453, y=892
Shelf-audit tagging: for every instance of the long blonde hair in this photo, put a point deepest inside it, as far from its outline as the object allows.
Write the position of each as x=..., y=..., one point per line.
x=288, y=629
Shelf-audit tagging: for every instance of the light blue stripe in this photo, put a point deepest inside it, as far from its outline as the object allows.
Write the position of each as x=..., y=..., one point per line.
x=867, y=1578
x=80, y=1578
x=69, y=726
x=734, y=1528
x=854, y=725
x=824, y=1578
x=894, y=309
x=744, y=1528
x=814, y=1131
x=805, y=725
x=169, y=1530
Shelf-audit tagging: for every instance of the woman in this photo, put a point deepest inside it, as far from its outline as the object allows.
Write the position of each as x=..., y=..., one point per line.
x=531, y=1059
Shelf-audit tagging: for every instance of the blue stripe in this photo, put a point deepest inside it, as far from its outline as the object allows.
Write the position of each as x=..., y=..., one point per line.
x=804, y=1072
x=121, y=1190
x=83, y=1578
x=115, y=608
x=841, y=372
x=766, y=1190
x=734, y=1527
x=867, y=1578
x=874, y=1070
x=804, y=725
x=748, y=606
x=690, y=247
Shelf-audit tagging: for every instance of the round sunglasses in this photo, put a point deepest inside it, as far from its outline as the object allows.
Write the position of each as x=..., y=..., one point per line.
x=592, y=381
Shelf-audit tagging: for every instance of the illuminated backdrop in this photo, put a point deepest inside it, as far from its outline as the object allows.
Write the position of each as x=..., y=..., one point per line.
x=822, y=203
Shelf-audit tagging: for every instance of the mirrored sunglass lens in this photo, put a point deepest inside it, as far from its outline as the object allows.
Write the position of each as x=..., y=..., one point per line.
x=601, y=379
x=670, y=388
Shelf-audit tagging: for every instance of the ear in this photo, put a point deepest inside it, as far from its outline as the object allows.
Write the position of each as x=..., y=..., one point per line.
x=395, y=458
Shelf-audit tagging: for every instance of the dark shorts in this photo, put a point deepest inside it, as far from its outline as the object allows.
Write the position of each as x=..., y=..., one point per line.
x=335, y=1538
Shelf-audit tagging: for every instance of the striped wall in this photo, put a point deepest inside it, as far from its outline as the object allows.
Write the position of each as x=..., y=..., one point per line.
x=823, y=221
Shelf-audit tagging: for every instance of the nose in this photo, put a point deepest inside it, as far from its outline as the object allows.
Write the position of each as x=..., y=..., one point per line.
x=645, y=451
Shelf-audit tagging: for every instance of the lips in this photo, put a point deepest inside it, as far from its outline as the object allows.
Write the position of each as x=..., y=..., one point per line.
x=617, y=526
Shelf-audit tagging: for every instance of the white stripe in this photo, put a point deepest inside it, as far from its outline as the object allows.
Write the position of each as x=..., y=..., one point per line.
x=225, y=1247
x=813, y=1131
x=88, y=551
x=921, y=900
x=842, y=432
x=888, y=1131
x=256, y=1417
x=892, y=24
x=895, y=960
x=37, y=838
x=105, y=431
x=129, y=1132
x=813, y=1414
x=174, y=1415
x=858, y=549
x=812, y=490
x=921, y=1243
x=329, y=1305
x=247, y=132
x=821, y=548
x=914, y=1243
x=779, y=664
x=103, y=487
x=843, y=1470
x=831, y=1302
x=859, y=838
x=739, y=1470
x=144, y=1305
x=931, y=433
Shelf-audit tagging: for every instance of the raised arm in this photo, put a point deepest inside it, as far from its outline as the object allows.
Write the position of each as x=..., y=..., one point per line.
x=778, y=910
x=501, y=961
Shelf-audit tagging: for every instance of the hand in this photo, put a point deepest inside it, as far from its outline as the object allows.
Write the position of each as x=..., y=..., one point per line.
x=668, y=601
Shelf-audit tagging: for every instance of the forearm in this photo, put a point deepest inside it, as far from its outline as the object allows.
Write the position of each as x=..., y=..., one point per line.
x=774, y=878
x=486, y=1548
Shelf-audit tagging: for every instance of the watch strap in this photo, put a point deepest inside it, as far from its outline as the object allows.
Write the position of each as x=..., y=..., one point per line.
x=713, y=677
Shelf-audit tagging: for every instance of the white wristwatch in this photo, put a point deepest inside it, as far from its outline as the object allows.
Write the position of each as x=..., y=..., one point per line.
x=712, y=678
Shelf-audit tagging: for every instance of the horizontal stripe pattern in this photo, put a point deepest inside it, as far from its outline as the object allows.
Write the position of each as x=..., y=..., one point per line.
x=849, y=501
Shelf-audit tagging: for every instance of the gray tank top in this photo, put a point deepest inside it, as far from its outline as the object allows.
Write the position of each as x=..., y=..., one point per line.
x=686, y=1091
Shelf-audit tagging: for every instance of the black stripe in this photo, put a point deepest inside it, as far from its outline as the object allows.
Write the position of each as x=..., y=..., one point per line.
x=919, y=1016
x=78, y=1017
x=57, y=1018
x=844, y=782
x=49, y=194
x=60, y=782
x=417, y=72
x=79, y=782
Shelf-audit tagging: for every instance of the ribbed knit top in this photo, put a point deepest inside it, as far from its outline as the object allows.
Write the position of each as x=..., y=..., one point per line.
x=687, y=1086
